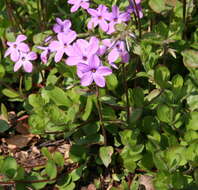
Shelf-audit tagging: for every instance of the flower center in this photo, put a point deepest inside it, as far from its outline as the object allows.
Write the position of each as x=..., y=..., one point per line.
x=14, y=45
x=65, y=45
x=115, y=19
x=93, y=70
x=99, y=17
x=118, y=46
x=84, y=58
x=23, y=58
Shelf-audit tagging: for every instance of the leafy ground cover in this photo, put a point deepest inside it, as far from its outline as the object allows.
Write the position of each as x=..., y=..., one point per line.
x=99, y=94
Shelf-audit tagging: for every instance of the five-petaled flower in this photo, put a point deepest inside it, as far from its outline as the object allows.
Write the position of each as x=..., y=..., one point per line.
x=45, y=54
x=137, y=9
x=94, y=71
x=62, y=46
x=82, y=50
x=117, y=17
x=62, y=26
x=16, y=47
x=77, y=4
x=100, y=16
x=118, y=50
x=25, y=61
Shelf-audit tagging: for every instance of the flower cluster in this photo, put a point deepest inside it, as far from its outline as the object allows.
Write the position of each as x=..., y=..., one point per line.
x=85, y=54
x=20, y=53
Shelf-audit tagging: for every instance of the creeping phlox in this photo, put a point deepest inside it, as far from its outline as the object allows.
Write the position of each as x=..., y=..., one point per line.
x=86, y=55
x=20, y=53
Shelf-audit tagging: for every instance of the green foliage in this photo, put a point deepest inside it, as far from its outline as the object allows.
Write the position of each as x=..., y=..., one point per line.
x=144, y=122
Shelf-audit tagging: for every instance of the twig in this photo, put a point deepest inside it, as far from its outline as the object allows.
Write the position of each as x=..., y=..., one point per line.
x=99, y=107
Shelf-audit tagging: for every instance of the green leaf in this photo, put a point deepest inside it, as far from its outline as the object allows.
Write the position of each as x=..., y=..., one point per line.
x=3, y=126
x=88, y=108
x=190, y=58
x=161, y=76
x=10, y=93
x=4, y=111
x=112, y=82
x=57, y=95
x=192, y=121
x=165, y=113
x=28, y=82
x=2, y=71
x=10, y=167
x=59, y=159
x=51, y=169
x=157, y=5
x=105, y=154
x=135, y=115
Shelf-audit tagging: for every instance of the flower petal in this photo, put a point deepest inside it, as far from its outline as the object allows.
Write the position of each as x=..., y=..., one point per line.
x=17, y=65
x=15, y=55
x=20, y=38
x=58, y=56
x=99, y=80
x=93, y=22
x=92, y=12
x=83, y=67
x=56, y=28
x=93, y=46
x=7, y=52
x=54, y=46
x=31, y=56
x=75, y=7
x=86, y=79
x=27, y=65
x=113, y=55
x=103, y=71
x=23, y=47
x=104, y=25
x=85, y=5
x=94, y=62
x=73, y=60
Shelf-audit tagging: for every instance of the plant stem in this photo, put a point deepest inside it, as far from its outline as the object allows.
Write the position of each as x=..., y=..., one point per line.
x=138, y=18
x=184, y=20
x=126, y=92
x=99, y=107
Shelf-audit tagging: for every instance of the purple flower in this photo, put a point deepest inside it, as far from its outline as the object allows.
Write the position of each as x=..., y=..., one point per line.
x=93, y=71
x=16, y=47
x=82, y=50
x=132, y=9
x=25, y=61
x=62, y=45
x=118, y=49
x=117, y=17
x=45, y=54
x=78, y=3
x=103, y=46
x=100, y=16
x=62, y=26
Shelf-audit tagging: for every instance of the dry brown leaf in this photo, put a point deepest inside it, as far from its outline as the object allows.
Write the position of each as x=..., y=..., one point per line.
x=147, y=181
x=91, y=187
x=19, y=141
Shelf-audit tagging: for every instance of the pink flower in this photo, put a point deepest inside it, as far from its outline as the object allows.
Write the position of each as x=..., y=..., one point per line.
x=94, y=71
x=16, y=47
x=45, y=54
x=117, y=17
x=82, y=50
x=77, y=4
x=62, y=46
x=62, y=26
x=25, y=61
x=100, y=16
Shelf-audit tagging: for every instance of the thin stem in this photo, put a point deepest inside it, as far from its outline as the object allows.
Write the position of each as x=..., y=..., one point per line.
x=99, y=107
x=126, y=92
x=184, y=19
x=138, y=18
